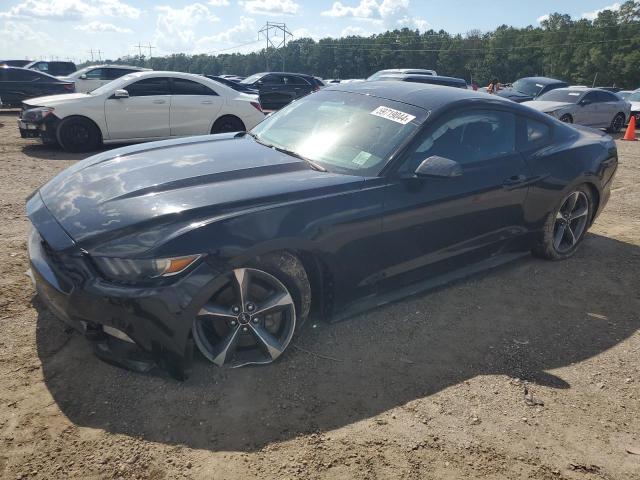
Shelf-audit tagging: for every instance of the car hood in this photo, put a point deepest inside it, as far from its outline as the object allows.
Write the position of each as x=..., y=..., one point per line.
x=189, y=180
x=53, y=100
x=547, y=106
x=514, y=95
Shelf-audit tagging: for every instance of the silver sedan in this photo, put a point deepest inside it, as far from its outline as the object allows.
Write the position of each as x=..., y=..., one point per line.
x=591, y=107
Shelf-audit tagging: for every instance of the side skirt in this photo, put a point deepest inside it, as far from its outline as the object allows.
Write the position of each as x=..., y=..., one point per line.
x=378, y=300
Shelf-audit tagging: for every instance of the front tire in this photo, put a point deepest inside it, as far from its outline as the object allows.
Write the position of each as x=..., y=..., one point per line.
x=566, y=118
x=253, y=316
x=617, y=123
x=566, y=225
x=78, y=134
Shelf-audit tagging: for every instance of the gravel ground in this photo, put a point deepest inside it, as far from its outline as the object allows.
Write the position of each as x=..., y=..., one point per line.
x=530, y=371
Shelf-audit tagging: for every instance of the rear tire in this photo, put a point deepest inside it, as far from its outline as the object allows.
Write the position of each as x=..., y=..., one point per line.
x=78, y=134
x=617, y=123
x=227, y=124
x=566, y=226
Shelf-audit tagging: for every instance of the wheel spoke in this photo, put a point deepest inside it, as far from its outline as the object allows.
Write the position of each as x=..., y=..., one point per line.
x=570, y=204
x=241, y=279
x=559, y=235
x=559, y=215
x=570, y=235
x=215, y=311
x=275, y=303
x=580, y=213
x=225, y=348
x=273, y=346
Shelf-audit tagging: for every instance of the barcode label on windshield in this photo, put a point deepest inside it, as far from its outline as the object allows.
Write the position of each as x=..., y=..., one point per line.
x=393, y=115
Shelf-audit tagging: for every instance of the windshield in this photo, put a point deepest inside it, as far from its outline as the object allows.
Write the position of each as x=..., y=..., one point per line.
x=562, y=95
x=634, y=97
x=527, y=87
x=114, y=85
x=253, y=78
x=342, y=132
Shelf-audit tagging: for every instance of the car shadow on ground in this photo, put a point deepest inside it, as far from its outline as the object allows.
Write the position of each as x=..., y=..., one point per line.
x=520, y=320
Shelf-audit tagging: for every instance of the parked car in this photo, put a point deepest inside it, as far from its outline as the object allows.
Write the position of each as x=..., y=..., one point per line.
x=346, y=199
x=90, y=78
x=279, y=88
x=139, y=107
x=400, y=71
x=610, y=89
x=591, y=107
x=625, y=94
x=634, y=100
x=527, y=89
x=235, y=84
x=14, y=63
x=431, y=79
x=19, y=84
x=57, y=69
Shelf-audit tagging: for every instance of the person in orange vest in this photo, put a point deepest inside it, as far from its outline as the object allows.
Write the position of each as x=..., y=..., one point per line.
x=494, y=86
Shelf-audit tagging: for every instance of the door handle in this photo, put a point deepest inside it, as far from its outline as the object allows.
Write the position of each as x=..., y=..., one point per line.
x=207, y=102
x=159, y=102
x=514, y=181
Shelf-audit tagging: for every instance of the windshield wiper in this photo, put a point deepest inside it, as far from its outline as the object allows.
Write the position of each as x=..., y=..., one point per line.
x=313, y=164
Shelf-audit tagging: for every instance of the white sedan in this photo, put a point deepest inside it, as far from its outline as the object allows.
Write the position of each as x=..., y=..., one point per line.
x=90, y=78
x=139, y=107
x=591, y=107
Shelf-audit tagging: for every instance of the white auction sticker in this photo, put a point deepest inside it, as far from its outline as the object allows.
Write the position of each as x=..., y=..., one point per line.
x=393, y=115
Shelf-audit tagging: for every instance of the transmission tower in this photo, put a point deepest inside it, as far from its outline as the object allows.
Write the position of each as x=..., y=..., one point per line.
x=276, y=36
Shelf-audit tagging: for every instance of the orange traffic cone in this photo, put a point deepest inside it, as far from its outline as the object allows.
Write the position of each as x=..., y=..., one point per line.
x=630, y=135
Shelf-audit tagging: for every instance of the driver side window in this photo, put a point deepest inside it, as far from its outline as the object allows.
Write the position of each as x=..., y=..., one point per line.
x=470, y=137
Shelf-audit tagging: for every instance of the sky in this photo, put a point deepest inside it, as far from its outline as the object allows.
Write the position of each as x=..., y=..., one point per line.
x=108, y=29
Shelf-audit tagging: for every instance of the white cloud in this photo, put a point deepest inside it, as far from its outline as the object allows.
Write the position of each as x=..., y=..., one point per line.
x=240, y=33
x=543, y=18
x=70, y=9
x=271, y=7
x=387, y=13
x=594, y=14
x=219, y=3
x=355, y=31
x=15, y=34
x=175, y=27
x=100, y=27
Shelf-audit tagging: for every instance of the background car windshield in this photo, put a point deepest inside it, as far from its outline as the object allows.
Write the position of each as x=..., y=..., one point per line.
x=527, y=87
x=253, y=78
x=634, y=97
x=340, y=130
x=566, y=96
x=111, y=86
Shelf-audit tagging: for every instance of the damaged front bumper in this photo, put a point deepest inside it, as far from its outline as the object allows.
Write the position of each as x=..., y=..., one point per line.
x=133, y=327
x=45, y=129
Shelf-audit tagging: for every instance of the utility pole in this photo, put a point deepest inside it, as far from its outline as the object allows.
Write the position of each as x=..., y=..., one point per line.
x=276, y=36
x=99, y=52
x=140, y=46
x=150, y=47
x=91, y=52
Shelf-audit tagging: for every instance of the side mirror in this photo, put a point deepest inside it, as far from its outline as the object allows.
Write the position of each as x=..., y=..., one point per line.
x=120, y=93
x=259, y=83
x=438, y=167
x=83, y=76
x=584, y=102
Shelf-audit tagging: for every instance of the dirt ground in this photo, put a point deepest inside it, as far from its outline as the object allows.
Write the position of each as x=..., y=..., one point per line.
x=430, y=387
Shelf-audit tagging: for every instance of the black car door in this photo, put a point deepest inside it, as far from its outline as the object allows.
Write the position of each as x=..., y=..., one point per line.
x=21, y=84
x=272, y=91
x=432, y=225
x=297, y=86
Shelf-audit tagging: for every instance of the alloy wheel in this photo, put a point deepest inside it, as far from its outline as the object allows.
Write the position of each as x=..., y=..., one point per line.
x=248, y=320
x=571, y=221
x=617, y=123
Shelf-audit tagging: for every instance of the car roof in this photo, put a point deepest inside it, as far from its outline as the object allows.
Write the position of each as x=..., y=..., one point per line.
x=431, y=77
x=423, y=95
x=8, y=67
x=110, y=65
x=543, y=80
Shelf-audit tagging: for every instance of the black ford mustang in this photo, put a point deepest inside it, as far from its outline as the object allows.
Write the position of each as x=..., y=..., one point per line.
x=349, y=198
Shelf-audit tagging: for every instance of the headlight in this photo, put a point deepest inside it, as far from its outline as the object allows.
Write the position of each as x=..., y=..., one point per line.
x=130, y=269
x=36, y=114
